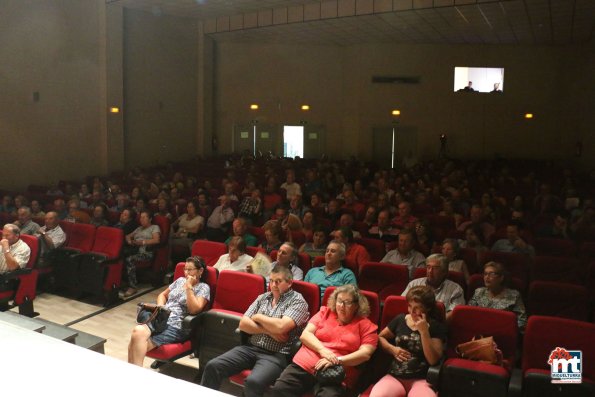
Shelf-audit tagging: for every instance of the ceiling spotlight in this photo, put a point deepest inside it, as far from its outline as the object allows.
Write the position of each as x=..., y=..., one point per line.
x=254, y=106
x=528, y=115
x=305, y=107
x=396, y=112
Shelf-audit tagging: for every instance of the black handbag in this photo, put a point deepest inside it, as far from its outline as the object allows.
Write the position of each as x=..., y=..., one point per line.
x=154, y=316
x=333, y=375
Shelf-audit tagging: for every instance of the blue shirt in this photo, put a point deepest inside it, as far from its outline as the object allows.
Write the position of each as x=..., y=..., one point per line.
x=341, y=276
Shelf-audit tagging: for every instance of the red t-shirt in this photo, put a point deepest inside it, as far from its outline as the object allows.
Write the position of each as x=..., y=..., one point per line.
x=338, y=338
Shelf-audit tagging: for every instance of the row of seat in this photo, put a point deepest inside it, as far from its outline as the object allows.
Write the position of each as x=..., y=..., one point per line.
x=215, y=332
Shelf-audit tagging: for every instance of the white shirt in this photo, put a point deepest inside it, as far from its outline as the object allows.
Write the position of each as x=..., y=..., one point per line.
x=239, y=265
x=20, y=251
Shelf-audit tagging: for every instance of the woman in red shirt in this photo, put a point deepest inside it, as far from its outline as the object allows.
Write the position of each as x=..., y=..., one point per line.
x=339, y=334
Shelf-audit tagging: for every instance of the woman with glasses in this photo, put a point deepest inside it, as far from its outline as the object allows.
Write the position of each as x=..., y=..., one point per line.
x=497, y=295
x=339, y=334
x=415, y=341
x=186, y=295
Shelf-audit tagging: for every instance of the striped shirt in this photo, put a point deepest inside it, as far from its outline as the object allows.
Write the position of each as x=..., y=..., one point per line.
x=291, y=304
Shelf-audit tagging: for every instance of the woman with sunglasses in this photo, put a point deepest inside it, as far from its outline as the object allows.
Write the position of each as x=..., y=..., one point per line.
x=186, y=295
x=497, y=295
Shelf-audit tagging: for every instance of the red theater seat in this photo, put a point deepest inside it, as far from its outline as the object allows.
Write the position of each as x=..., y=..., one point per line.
x=385, y=279
x=459, y=376
x=210, y=251
x=23, y=282
x=543, y=335
x=173, y=351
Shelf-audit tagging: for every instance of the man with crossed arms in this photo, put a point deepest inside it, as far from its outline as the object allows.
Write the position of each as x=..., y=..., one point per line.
x=275, y=321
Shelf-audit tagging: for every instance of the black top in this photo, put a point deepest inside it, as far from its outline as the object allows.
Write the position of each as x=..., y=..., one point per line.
x=410, y=340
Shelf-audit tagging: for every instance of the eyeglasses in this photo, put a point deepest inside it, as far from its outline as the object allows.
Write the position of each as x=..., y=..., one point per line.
x=189, y=269
x=490, y=274
x=345, y=303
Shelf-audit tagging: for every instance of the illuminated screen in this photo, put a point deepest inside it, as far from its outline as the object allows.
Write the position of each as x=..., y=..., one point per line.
x=479, y=79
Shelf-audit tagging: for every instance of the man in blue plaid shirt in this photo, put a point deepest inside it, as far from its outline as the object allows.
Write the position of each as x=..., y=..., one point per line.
x=274, y=321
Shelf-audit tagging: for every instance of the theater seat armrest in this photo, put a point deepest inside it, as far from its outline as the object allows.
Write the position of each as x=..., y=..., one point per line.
x=191, y=321
x=15, y=274
x=433, y=375
x=516, y=383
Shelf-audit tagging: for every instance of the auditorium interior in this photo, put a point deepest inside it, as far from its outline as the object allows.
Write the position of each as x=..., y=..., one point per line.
x=490, y=101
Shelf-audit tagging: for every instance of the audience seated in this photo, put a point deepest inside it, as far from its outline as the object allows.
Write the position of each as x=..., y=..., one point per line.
x=497, y=295
x=340, y=334
x=446, y=291
x=273, y=235
x=274, y=322
x=355, y=254
x=383, y=229
x=513, y=241
x=186, y=295
x=219, y=221
x=240, y=229
x=414, y=341
x=332, y=274
x=236, y=258
x=450, y=249
x=477, y=218
x=318, y=245
x=15, y=252
x=404, y=254
x=51, y=236
x=138, y=248
x=24, y=221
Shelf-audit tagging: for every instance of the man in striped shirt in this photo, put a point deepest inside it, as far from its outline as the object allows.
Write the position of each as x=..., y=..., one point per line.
x=274, y=322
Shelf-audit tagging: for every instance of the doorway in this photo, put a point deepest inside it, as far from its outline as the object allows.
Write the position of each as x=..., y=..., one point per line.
x=293, y=141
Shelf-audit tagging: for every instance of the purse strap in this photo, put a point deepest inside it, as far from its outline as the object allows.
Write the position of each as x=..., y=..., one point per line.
x=154, y=314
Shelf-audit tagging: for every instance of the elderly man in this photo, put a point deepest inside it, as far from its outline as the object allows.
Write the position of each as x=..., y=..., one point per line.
x=405, y=254
x=275, y=320
x=287, y=256
x=51, y=236
x=447, y=292
x=404, y=219
x=218, y=222
x=25, y=223
x=383, y=230
x=513, y=241
x=332, y=274
x=239, y=228
x=15, y=252
x=346, y=220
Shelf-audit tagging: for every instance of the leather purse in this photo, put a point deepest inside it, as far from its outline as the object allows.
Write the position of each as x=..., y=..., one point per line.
x=332, y=375
x=153, y=315
x=482, y=349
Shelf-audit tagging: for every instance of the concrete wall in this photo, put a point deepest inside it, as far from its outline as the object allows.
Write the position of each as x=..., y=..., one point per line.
x=160, y=88
x=50, y=48
x=336, y=81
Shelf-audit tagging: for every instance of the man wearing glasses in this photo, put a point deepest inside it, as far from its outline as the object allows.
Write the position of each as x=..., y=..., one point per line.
x=447, y=291
x=274, y=322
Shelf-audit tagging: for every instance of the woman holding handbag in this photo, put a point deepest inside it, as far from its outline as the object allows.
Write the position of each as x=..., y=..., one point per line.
x=415, y=342
x=186, y=295
x=336, y=340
